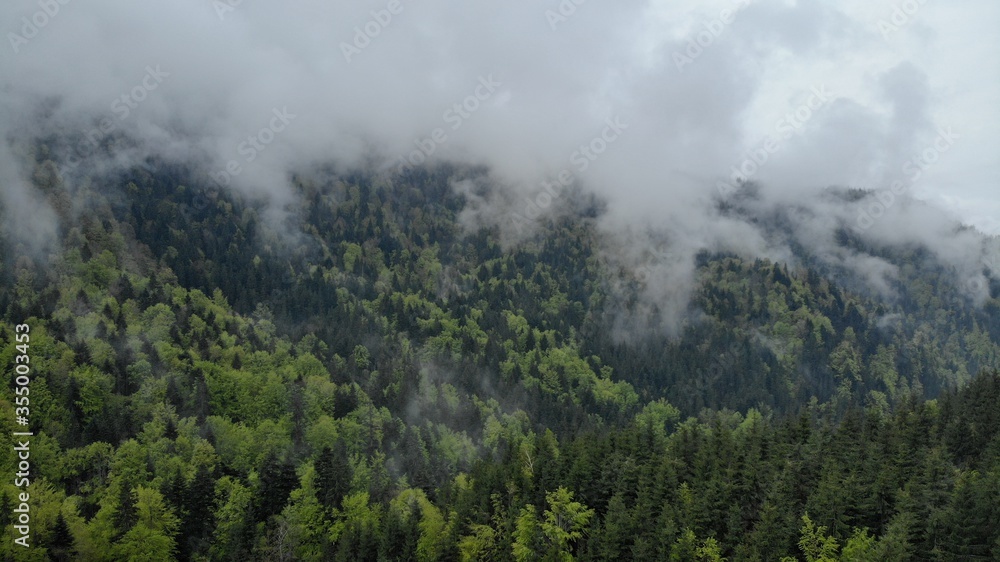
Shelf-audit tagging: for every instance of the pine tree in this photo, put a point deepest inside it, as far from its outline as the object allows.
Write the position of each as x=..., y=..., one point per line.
x=198, y=519
x=277, y=480
x=61, y=541
x=333, y=475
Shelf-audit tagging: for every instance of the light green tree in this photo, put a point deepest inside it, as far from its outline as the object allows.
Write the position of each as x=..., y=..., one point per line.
x=555, y=535
x=152, y=537
x=480, y=545
x=815, y=544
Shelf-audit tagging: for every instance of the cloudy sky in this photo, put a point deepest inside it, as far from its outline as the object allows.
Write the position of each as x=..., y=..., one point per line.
x=843, y=93
x=698, y=84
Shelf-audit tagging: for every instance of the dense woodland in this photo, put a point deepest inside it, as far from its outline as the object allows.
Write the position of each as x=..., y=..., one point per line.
x=359, y=377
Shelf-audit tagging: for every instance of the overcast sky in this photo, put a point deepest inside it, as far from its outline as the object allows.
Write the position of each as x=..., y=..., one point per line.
x=654, y=105
x=697, y=84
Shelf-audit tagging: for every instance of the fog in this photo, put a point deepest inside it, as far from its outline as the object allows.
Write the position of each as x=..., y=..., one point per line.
x=660, y=109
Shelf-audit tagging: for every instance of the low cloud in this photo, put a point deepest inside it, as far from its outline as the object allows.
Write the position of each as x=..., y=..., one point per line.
x=379, y=81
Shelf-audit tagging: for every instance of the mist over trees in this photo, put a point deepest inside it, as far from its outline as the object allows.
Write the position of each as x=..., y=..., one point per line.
x=713, y=280
x=366, y=377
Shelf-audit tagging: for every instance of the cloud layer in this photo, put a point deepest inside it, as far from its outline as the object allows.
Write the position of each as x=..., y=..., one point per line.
x=797, y=96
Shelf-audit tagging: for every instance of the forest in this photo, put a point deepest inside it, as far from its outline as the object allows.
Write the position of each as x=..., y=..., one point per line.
x=365, y=378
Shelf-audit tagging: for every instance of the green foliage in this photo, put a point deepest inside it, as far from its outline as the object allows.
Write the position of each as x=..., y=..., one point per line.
x=387, y=385
x=152, y=535
x=815, y=544
x=563, y=523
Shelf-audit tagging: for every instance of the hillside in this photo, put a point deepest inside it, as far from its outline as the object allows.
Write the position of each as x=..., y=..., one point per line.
x=360, y=375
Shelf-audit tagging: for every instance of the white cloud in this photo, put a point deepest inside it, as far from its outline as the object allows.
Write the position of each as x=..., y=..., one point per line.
x=687, y=129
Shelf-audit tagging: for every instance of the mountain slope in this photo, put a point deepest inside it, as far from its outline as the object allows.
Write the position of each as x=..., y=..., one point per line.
x=359, y=375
